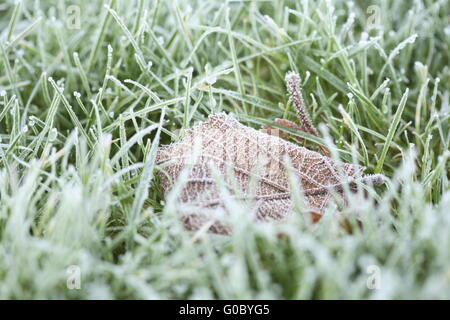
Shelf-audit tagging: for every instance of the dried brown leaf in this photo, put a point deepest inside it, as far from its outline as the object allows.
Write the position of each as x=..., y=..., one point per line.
x=255, y=162
x=232, y=147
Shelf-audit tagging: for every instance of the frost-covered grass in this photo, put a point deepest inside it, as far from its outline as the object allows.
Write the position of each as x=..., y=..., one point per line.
x=79, y=125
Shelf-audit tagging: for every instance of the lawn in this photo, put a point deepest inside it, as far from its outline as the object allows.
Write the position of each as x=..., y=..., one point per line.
x=83, y=85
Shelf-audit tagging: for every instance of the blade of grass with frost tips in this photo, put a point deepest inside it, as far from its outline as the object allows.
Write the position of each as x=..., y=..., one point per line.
x=44, y=87
x=131, y=141
x=63, y=46
x=107, y=74
x=374, y=113
x=13, y=143
x=69, y=109
x=151, y=75
x=391, y=132
x=246, y=40
x=141, y=193
x=213, y=74
x=100, y=36
x=188, y=99
x=10, y=74
x=150, y=93
x=48, y=125
x=97, y=119
x=277, y=48
x=392, y=55
x=121, y=85
x=237, y=70
x=380, y=89
x=77, y=96
x=145, y=111
x=377, y=135
x=16, y=129
x=421, y=102
x=439, y=169
x=122, y=172
x=125, y=30
x=23, y=34
x=348, y=121
x=7, y=107
x=4, y=160
x=162, y=49
x=309, y=64
x=123, y=141
x=12, y=23
x=83, y=77
x=253, y=100
x=137, y=21
x=185, y=35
